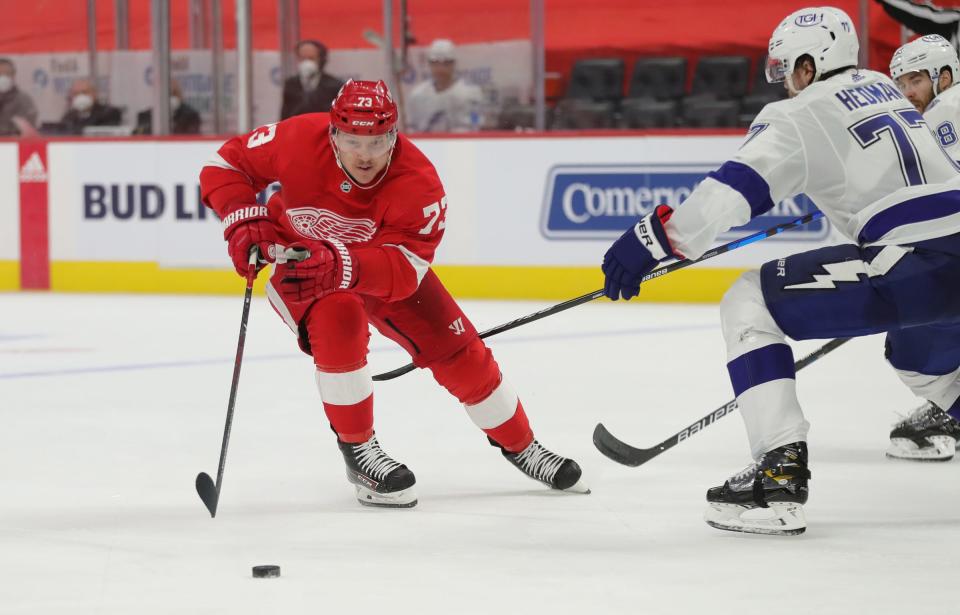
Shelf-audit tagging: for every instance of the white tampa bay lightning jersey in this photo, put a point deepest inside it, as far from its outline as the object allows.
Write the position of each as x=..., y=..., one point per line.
x=854, y=145
x=943, y=117
x=456, y=109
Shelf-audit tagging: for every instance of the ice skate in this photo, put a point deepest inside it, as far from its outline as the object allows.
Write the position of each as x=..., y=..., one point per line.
x=546, y=467
x=379, y=479
x=928, y=434
x=765, y=498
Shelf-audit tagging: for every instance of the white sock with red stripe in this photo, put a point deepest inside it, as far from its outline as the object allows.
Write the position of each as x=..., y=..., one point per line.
x=500, y=415
x=348, y=402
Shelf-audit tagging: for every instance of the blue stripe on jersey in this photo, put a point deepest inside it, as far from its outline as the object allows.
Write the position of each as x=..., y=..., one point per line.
x=773, y=362
x=748, y=183
x=921, y=209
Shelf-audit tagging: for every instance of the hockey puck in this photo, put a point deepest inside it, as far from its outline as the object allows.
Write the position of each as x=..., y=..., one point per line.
x=266, y=572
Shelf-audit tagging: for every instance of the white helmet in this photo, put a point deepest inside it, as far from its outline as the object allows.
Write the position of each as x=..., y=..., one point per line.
x=824, y=33
x=930, y=53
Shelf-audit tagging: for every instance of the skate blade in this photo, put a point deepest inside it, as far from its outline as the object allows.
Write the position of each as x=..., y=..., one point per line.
x=578, y=487
x=941, y=448
x=780, y=519
x=398, y=499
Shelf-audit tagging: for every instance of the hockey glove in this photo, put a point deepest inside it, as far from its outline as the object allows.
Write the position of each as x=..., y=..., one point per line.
x=331, y=266
x=635, y=254
x=249, y=226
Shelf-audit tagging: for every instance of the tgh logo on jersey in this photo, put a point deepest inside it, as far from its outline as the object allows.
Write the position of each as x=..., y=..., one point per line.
x=600, y=202
x=324, y=224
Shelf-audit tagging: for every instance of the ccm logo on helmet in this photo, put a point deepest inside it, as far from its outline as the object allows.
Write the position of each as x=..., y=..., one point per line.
x=362, y=123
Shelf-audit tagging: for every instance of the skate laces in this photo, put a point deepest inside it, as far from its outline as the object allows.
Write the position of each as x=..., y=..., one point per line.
x=749, y=471
x=373, y=460
x=926, y=415
x=539, y=462
x=771, y=468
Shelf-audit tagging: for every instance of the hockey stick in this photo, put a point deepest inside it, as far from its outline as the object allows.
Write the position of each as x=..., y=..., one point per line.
x=621, y=452
x=208, y=491
x=656, y=273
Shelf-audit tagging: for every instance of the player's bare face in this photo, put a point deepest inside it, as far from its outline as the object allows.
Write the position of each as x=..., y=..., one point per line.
x=917, y=87
x=364, y=156
x=798, y=80
x=442, y=73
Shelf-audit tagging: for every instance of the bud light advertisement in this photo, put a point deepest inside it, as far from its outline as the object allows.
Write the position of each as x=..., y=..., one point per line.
x=602, y=201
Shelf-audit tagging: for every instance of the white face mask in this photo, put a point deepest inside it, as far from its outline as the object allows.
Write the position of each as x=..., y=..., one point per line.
x=6, y=83
x=174, y=103
x=82, y=102
x=307, y=68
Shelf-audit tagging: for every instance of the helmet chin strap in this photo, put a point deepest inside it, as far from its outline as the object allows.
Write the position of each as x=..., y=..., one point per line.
x=936, y=83
x=351, y=178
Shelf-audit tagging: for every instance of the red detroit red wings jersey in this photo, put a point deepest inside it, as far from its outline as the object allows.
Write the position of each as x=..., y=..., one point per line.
x=393, y=228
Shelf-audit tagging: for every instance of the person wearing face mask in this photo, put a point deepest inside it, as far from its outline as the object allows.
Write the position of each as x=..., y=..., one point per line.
x=84, y=109
x=17, y=111
x=184, y=119
x=311, y=90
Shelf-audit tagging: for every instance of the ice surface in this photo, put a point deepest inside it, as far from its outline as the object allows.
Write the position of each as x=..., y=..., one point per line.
x=110, y=406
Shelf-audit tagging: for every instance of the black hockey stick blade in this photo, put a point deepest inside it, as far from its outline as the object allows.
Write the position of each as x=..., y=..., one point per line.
x=207, y=490
x=621, y=452
x=656, y=273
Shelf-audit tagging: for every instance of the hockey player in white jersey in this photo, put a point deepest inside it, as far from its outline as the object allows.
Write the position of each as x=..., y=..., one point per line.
x=445, y=102
x=924, y=69
x=849, y=140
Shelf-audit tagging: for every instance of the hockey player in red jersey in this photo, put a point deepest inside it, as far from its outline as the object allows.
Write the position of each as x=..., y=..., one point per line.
x=370, y=210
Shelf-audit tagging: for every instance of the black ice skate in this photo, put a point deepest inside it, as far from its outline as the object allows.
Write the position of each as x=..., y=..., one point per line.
x=379, y=479
x=549, y=468
x=928, y=434
x=765, y=498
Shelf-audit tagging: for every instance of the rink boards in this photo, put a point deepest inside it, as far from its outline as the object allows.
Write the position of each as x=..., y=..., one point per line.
x=528, y=216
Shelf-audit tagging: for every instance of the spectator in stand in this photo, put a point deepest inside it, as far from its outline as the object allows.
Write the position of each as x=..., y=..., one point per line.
x=925, y=18
x=18, y=114
x=444, y=103
x=85, y=110
x=311, y=90
x=184, y=119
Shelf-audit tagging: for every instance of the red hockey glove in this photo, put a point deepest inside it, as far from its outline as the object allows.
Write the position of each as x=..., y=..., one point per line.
x=331, y=266
x=246, y=226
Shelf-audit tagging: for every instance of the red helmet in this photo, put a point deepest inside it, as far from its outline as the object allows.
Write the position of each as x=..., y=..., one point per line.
x=364, y=108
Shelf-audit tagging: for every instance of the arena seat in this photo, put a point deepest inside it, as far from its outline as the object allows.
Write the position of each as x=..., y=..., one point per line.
x=760, y=95
x=599, y=80
x=658, y=78
x=648, y=113
x=574, y=114
x=721, y=77
x=709, y=112
x=518, y=116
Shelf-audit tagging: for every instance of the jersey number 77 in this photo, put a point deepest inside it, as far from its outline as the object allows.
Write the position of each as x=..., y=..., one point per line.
x=896, y=125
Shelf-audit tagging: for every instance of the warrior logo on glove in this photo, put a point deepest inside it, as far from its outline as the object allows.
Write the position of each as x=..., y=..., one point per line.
x=330, y=267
